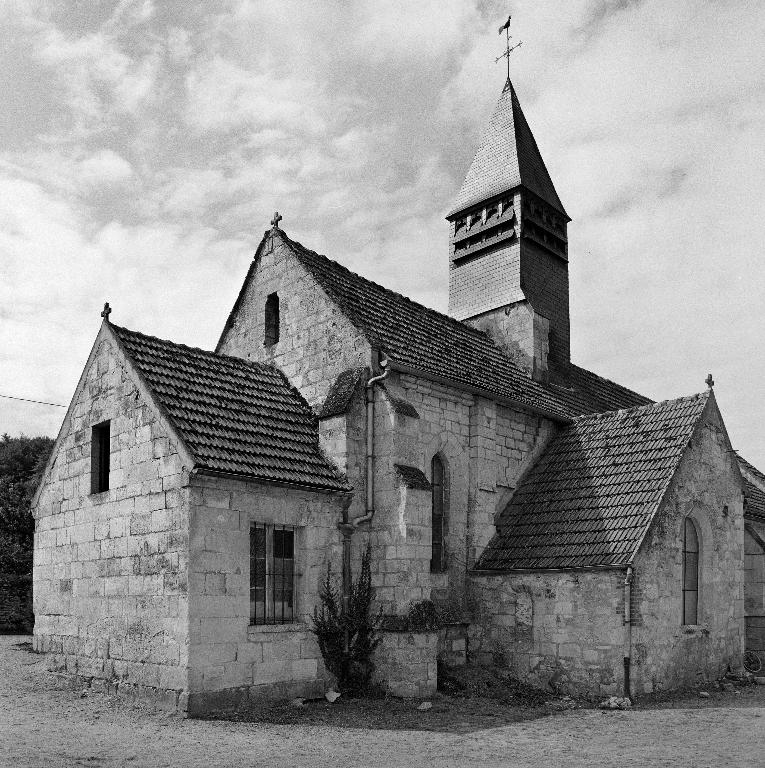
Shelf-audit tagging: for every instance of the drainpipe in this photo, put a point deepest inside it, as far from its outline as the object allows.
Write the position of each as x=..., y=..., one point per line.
x=627, y=628
x=370, y=391
x=348, y=526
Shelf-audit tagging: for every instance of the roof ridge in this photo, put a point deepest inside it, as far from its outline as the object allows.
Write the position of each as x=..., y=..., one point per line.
x=239, y=361
x=655, y=404
x=611, y=381
x=442, y=316
x=750, y=466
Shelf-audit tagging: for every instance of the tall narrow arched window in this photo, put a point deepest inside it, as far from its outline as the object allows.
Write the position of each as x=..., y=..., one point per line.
x=690, y=572
x=272, y=320
x=437, y=479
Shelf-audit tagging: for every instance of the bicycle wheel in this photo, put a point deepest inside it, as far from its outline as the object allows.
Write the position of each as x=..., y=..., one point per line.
x=752, y=662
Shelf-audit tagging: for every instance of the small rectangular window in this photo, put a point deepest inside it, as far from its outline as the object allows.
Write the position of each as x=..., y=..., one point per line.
x=99, y=458
x=271, y=335
x=272, y=574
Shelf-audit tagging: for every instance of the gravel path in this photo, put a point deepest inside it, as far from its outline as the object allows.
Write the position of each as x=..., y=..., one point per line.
x=44, y=723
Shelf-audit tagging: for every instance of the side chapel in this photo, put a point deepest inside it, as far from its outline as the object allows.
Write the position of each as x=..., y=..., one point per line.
x=590, y=538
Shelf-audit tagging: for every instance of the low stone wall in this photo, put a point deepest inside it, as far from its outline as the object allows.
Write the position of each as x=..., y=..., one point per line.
x=16, y=603
x=405, y=663
x=558, y=630
x=453, y=644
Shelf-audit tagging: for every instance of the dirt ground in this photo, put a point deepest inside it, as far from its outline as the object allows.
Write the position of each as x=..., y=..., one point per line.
x=43, y=722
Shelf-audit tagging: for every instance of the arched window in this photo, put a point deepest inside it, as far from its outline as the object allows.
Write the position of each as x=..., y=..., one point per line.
x=437, y=559
x=272, y=320
x=690, y=572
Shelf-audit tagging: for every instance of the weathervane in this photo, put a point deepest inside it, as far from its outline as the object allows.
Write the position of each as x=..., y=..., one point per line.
x=508, y=48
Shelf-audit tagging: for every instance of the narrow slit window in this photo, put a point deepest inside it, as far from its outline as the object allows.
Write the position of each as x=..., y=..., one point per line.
x=99, y=458
x=437, y=559
x=272, y=574
x=272, y=320
x=690, y=573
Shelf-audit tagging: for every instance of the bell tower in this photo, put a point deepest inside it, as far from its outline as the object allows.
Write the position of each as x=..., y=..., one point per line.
x=508, y=251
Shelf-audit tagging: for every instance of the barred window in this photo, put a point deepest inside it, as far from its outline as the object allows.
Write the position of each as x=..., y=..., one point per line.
x=272, y=574
x=690, y=572
x=437, y=559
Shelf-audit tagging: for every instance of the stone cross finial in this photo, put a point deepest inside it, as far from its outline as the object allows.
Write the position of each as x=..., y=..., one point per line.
x=709, y=381
x=107, y=311
x=275, y=221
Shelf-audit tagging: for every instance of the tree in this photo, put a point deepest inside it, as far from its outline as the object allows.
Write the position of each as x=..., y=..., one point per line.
x=22, y=461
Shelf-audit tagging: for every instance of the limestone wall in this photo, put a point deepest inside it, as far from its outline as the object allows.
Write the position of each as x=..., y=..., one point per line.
x=229, y=660
x=453, y=644
x=561, y=630
x=316, y=341
x=665, y=653
x=754, y=586
x=405, y=663
x=110, y=588
x=485, y=449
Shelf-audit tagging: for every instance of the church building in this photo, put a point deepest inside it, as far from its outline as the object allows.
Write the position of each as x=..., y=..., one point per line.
x=584, y=536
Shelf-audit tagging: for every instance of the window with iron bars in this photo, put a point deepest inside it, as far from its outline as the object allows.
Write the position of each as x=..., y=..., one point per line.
x=272, y=574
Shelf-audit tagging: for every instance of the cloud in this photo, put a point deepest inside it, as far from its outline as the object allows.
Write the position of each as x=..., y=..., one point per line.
x=105, y=167
x=146, y=145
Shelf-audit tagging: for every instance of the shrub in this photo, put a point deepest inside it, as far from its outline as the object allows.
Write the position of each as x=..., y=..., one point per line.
x=352, y=665
x=422, y=616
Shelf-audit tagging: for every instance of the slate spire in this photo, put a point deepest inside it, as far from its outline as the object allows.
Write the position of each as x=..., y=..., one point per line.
x=508, y=254
x=507, y=157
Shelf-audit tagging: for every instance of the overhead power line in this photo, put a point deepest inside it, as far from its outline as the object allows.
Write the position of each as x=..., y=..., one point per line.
x=28, y=400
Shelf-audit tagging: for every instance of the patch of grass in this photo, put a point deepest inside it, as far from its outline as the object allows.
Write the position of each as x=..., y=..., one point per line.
x=469, y=699
x=447, y=714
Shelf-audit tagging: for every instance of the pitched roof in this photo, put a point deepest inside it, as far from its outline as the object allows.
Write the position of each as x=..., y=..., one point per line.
x=590, y=498
x=507, y=157
x=412, y=477
x=585, y=392
x=749, y=469
x=340, y=393
x=234, y=416
x=424, y=340
x=754, y=488
x=754, y=500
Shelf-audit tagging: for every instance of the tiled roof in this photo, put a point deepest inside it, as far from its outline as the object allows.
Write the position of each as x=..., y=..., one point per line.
x=234, y=416
x=400, y=406
x=507, y=157
x=413, y=477
x=754, y=500
x=586, y=392
x=424, y=340
x=754, y=488
x=591, y=496
x=749, y=469
x=340, y=393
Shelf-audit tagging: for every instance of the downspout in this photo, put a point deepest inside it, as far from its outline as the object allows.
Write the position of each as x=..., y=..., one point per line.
x=370, y=396
x=628, y=628
x=348, y=526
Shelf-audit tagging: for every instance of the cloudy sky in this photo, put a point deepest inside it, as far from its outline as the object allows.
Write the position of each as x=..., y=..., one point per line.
x=145, y=145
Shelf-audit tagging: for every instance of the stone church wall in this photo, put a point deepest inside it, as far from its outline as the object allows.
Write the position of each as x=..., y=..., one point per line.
x=754, y=586
x=316, y=341
x=110, y=589
x=665, y=653
x=562, y=631
x=229, y=660
x=484, y=447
